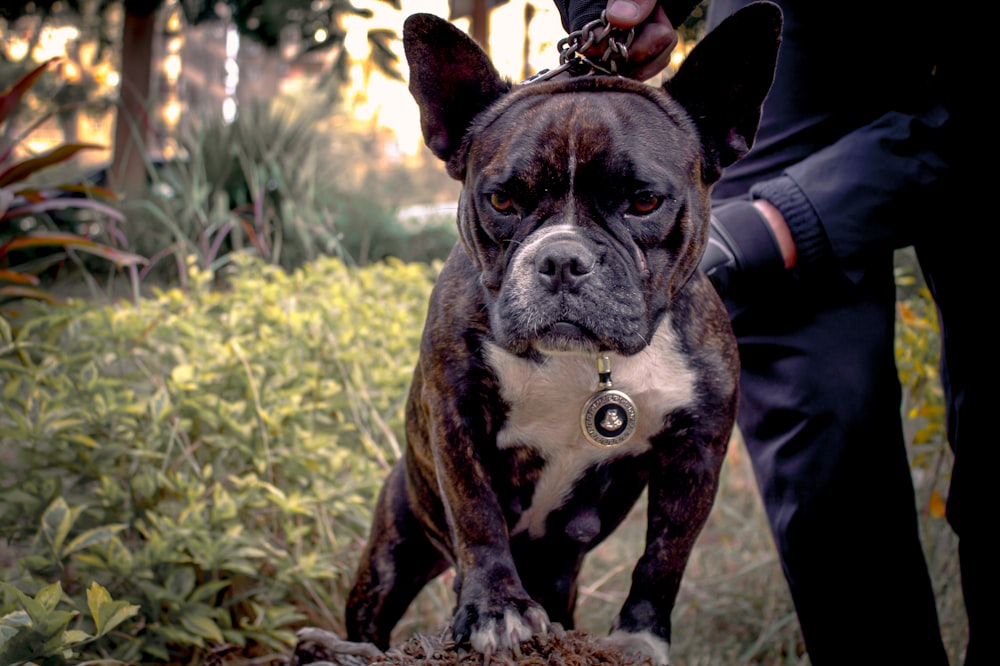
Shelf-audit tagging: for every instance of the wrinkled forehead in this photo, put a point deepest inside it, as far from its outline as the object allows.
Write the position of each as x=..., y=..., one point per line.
x=557, y=88
x=615, y=125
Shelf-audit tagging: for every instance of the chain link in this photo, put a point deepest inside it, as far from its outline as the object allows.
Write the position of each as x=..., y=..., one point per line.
x=573, y=47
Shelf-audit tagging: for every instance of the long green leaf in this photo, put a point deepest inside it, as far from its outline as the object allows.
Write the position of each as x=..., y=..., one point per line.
x=34, y=194
x=34, y=609
x=97, y=596
x=18, y=278
x=22, y=170
x=10, y=97
x=62, y=204
x=203, y=626
x=75, y=636
x=49, y=595
x=114, y=613
x=14, y=291
x=57, y=521
x=73, y=241
x=111, y=254
x=10, y=625
x=44, y=239
x=92, y=537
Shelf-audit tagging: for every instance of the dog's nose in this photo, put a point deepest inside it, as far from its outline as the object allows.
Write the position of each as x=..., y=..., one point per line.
x=564, y=265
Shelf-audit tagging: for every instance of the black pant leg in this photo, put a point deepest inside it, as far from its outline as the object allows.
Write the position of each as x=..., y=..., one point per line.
x=820, y=414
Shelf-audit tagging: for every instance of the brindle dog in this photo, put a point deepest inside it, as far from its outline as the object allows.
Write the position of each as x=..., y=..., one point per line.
x=573, y=354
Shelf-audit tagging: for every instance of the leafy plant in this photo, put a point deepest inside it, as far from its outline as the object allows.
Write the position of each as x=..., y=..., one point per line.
x=40, y=630
x=917, y=357
x=210, y=456
x=917, y=347
x=241, y=185
x=287, y=183
x=31, y=241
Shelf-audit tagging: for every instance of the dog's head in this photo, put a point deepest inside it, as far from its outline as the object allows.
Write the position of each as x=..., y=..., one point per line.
x=585, y=204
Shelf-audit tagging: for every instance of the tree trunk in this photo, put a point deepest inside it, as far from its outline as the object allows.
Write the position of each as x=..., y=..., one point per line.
x=128, y=162
x=480, y=24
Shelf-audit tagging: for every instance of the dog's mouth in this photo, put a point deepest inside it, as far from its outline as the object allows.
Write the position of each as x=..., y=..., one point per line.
x=524, y=321
x=567, y=329
x=566, y=337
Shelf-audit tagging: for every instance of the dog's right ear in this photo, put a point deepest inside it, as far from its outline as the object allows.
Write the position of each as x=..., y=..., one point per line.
x=451, y=79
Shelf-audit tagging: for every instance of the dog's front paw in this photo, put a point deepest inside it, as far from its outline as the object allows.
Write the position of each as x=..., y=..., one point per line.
x=642, y=644
x=491, y=627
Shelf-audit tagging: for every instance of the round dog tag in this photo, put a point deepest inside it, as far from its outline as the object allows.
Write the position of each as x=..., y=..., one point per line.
x=609, y=416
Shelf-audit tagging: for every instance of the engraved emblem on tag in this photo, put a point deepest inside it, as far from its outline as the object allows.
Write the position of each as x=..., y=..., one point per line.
x=609, y=416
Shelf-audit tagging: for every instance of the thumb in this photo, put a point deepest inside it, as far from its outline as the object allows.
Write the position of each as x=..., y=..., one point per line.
x=625, y=14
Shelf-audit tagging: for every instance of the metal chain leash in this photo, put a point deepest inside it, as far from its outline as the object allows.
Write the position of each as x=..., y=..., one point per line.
x=573, y=48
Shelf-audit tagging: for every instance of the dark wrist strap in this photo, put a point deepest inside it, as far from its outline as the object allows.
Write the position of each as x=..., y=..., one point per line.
x=742, y=250
x=748, y=233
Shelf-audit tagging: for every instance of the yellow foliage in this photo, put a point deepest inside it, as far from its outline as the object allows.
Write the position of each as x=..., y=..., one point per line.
x=936, y=505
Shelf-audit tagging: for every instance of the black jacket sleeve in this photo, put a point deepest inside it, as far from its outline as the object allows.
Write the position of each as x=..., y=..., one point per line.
x=852, y=146
x=577, y=13
x=874, y=190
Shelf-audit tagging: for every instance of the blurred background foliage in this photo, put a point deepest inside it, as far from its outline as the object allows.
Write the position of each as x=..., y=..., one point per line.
x=288, y=178
x=208, y=456
x=203, y=377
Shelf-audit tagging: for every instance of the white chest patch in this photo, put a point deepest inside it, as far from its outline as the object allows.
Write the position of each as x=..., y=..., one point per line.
x=546, y=400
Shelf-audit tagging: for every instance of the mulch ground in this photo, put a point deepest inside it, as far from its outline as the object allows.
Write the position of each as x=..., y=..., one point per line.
x=567, y=648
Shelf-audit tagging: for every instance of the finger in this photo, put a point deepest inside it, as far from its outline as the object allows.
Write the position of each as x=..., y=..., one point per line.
x=650, y=50
x=625, y=14
x=647, y=70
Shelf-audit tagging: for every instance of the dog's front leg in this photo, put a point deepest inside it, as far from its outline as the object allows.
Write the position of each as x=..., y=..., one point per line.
x=493, y=610
x=682, y=490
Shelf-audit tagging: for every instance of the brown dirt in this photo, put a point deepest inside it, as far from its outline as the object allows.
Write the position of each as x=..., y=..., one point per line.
x=569, y=648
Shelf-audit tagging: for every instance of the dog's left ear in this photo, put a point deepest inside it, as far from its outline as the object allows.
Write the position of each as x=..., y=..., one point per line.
x=451, y=78
x=724, y=80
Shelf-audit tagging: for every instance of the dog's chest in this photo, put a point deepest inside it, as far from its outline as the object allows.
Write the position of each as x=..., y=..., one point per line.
x=545, y=403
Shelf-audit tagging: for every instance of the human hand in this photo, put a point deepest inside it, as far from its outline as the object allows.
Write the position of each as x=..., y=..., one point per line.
x=655, y=36
x=748, y=244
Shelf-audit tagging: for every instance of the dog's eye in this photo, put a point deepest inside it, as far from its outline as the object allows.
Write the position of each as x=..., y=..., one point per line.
x=502, y=202
x=644, y=203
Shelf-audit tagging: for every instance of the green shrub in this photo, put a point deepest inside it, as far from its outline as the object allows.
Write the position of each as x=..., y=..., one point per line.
x=283, y=183
x=39, y=630
x=210, y=457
